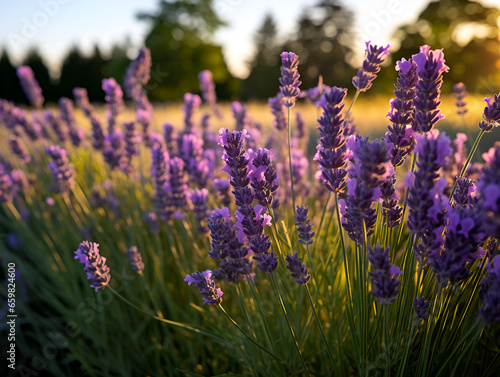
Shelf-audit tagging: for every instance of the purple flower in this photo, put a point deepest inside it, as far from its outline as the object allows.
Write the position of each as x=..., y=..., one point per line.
x=198, y=199
x=7, y=188
x=491, y=114
x=266, y=262
x=222, y=186
x=113, y=153
x=384, y=275
x=421, y=306
x=191, y=103
x=138, y=74
x=219, y=224
x=240, y=115
x=277, y=105
x=331, y=149
x=263, y=176
x=464, y=234
x=63, y=171
x=152, y=220
x=144, y=118
x=159, y=172
x=82, y=101
x=401, y=114
x=297, y=269
x=289, y=80
x=17, y=147
x=171, y=138
x=371, y=66
x=488, y=186
x=30, y=86
x=314, y=94
x=303, y=225
x=301, y=129
x=98, y=135
x=389, y=199
x=94, y=264
x=251, y=223
x=490, y=310
x=204, y=283
x=463, y=195
x=207, y=88
x=370, y=166
x=135, y=259
x=177, y=186
x=236, y=158
x=460, y=93
x=430, y=68
x=59, y=128
x=132, y=141
x=114, y=99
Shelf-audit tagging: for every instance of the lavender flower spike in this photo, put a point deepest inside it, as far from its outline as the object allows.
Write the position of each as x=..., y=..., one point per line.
x=207, y=88
x=371, y=66
x=298, y=270
x=430, y=69
x=135, y=259
x=490, y=310
x=303, y=225
x=204, y=283
x=114, y=98
x=384, y=275
x=30, y=86
x=488, y=186
x=289, y=79
x=491, y=114
x=94, y=264
x=277, y=105
x=460, y=93
x=421, y=306
x=62, y=170
x=138, y=74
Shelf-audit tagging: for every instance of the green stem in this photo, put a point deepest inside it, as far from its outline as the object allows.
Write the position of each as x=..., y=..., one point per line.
x=402, y=366
x=290, y=159
x=319, y=325
x=321, y=221
x=467, y=162
x=386, y=344
x=246, y=335
x=352, y=103
x=296, y=344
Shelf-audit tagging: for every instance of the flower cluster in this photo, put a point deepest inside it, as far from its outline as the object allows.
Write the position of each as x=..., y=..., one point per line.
x=491, y=114
x=289, y=79
x=460, y=93
x=135, y=259
x=30, y=86
x=206, y=286
x=114, y=99
x=384, y=275
x=297, y=269
x=207, y=88
x=94, y=264
x=304, y=225
x=488, y=187
x=371, y=66
x=62, y=170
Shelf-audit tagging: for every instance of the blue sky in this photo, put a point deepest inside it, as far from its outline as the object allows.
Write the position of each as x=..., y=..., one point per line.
x=53, y=26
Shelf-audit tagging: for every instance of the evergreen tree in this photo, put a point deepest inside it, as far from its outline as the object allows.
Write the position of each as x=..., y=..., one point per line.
x=10, y=89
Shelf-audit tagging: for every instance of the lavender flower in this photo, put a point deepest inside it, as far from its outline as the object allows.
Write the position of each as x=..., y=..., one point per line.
x=222, y=186
x=171, y=138
x=488, y=186
x=371, y=165
x=144, y=118
x=266, y=262
x=490, y=310
x=135, y=259
x=198, y=199
x=132, y=141
x=152, y=220
x=426, y=203
x=391, y=212
x=314, y=94
x=331, y=149
x=430, y=68
x=59, y=128
x=263, y=177
x=17, y=147
x=191, y=103
x=384, y=275
x=297, y=269
x=303, y=225
x=94, y=264
x=177, y=185
x=460, y=93
x=138, y=74
x=220, y=232
x=114, y=99
x=207, y=88
x=277, y=105
x=82, y=101
x=98, y=136
x=251, y=223
x=30, y=86
x=240, y=115
x=289, y=80
x=68, y=116
x=62, y=170
x=401, y=114
x=301, y=129
x=113, y=153
x=159, y=172
x=206, y=286
x=371, y=66
x=464, y=191
x=6, y=185
x=421, y=306
x=491, y=114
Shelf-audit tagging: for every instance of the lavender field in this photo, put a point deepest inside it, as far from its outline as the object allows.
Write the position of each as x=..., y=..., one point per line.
x=329, y=232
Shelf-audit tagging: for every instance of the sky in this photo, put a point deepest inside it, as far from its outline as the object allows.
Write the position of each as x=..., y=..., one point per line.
x=53, y=26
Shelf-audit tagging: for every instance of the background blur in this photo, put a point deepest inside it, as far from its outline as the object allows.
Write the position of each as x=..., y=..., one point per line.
x=72, y=43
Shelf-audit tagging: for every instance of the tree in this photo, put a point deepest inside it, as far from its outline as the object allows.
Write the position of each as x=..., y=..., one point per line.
x=323, y=43
x=73, y=73
x=10, y=88
x=265, y=65
x=468, y=32
x=181, y=47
